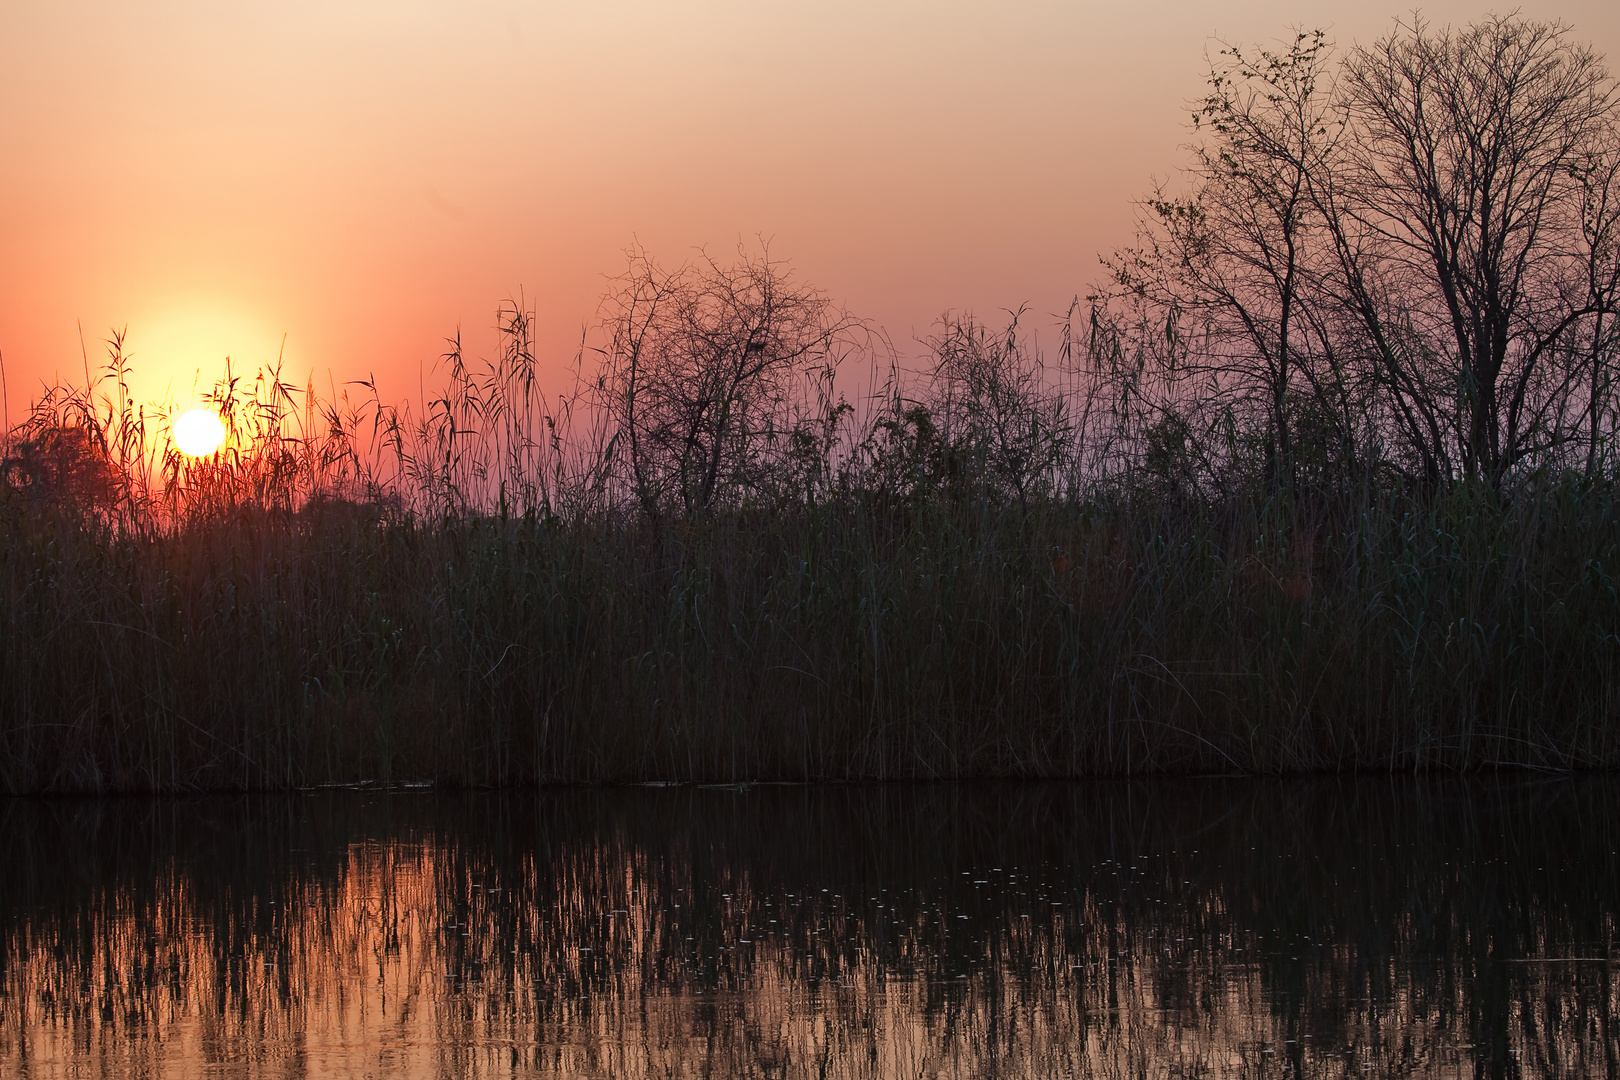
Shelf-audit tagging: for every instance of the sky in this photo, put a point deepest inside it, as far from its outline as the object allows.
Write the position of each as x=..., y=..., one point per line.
x=345, y=185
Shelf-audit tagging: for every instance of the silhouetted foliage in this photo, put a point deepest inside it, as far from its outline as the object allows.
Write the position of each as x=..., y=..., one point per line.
x=63, y=467
x=716, y=378
x=1407, y=260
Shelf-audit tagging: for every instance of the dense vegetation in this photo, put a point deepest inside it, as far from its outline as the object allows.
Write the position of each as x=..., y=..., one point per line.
x=1321, y=477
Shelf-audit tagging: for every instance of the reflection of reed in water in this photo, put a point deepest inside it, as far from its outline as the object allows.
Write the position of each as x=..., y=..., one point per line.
x=1101, y=930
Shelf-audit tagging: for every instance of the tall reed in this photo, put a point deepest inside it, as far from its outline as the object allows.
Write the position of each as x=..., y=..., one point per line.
x=839, y=641
x=349, y=593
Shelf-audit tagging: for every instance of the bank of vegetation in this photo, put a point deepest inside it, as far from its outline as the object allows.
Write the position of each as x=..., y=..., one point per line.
x=1321, y=475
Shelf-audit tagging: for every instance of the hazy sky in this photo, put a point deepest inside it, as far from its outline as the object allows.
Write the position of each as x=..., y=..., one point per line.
x=364, y=177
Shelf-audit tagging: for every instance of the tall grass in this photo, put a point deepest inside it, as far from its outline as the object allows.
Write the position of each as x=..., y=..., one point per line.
x=346, y=593
x=834, y=642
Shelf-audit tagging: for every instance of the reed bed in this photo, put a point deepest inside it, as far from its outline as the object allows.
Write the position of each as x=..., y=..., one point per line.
x=991, y=568
x=269, y=649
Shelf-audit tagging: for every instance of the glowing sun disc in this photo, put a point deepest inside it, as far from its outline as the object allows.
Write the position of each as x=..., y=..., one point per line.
x=198, y=432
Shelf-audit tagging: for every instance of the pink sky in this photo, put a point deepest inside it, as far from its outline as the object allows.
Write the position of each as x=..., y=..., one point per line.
x=362, y=178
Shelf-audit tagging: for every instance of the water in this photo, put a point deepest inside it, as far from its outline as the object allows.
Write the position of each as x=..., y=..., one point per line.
x=1343, y=928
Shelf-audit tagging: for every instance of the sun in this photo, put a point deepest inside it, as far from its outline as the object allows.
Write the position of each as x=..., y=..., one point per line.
x=198, y=432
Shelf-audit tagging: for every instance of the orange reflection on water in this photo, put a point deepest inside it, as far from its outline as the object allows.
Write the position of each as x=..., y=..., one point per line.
x=911, y=932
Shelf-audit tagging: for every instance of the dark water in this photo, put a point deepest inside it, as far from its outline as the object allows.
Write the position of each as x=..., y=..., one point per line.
x=1200, y=928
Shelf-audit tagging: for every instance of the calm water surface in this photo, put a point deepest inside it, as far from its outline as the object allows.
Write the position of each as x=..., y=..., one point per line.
x=1197, y=928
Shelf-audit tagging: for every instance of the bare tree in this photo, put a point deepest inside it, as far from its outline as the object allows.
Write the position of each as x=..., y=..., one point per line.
x=1229, y=262
x=1415, y=260
x=1460, y=223
x=1598, y=337
x=995, y=409
x=705, y=371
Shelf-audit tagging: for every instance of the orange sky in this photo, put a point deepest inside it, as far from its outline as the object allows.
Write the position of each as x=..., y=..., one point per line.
x=364, y=177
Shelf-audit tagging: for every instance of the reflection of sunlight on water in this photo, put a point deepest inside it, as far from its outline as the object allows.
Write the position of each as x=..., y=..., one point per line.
x=628, y=934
